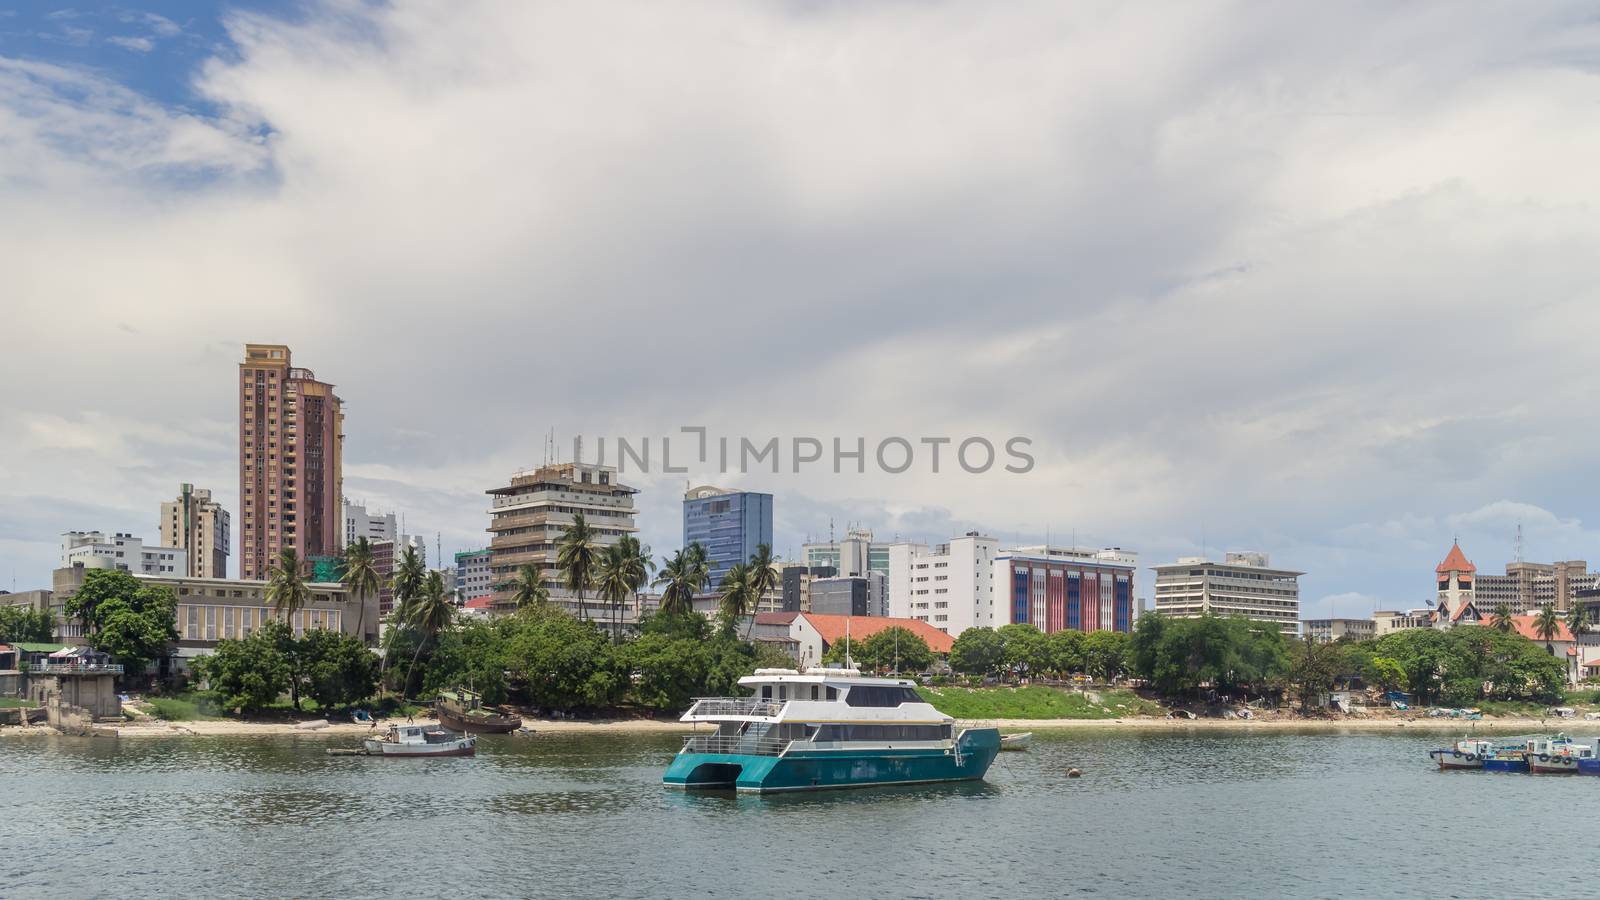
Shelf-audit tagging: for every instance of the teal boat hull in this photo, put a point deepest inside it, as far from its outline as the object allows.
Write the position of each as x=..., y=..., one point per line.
x=816, y=770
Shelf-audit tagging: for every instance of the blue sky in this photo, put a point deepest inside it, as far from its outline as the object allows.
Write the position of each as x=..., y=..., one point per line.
x=1314, y=280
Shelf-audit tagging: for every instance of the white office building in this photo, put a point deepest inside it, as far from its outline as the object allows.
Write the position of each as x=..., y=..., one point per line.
x=360, y=523
x=950, y=586
x=122, y=552
x=1242, y=584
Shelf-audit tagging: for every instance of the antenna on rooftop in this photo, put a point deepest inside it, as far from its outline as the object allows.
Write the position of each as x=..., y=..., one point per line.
x=1519, y=542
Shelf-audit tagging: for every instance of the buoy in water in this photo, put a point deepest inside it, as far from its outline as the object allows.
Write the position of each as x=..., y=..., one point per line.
x=1074, y=773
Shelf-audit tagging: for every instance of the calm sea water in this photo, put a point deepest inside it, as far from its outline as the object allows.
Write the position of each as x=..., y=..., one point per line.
x=1315, y=815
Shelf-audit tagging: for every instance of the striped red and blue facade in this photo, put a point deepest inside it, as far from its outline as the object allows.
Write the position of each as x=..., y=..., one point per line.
x=1055, y=595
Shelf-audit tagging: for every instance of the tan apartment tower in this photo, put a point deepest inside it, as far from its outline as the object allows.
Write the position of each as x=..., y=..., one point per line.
x=528, y=516
x=291, y=441
x=199, y=525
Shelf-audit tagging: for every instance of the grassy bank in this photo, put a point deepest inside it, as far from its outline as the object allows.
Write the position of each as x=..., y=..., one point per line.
x=14, y=703
x=1036, y=702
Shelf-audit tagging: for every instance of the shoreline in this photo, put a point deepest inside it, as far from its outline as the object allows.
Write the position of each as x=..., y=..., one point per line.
x=349, y=730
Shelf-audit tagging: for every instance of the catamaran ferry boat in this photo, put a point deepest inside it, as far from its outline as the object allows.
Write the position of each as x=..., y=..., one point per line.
x=826, y=728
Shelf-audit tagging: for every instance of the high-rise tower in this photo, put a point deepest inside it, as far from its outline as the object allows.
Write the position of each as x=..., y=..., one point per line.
x=198, y=524
x=291, y=437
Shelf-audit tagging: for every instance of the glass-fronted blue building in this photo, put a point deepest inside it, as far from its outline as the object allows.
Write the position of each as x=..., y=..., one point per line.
x=729, y=524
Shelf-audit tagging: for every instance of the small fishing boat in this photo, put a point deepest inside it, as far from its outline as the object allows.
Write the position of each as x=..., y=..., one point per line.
x=1466, y=754
x=1557, y=755
x=421, y=740
x=464, y=711
x=1019, y=741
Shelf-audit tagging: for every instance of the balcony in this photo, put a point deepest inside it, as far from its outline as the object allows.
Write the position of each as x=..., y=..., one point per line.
x=724, y=707
x=81, y=669
x=742, y=745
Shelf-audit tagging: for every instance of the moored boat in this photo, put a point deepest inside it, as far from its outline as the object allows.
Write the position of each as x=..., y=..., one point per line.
x=464, y=711
x=1557, y=756
x=826, y=728
x=1466, y=754
x=1019, y=741
x=421, y=740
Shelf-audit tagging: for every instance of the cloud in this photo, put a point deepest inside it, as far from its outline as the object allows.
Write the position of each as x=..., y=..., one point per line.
x=129, y=42
x=1246, y=281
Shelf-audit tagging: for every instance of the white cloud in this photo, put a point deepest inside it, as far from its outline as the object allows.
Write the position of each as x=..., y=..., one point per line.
x=1246, y=280
x=132, y=42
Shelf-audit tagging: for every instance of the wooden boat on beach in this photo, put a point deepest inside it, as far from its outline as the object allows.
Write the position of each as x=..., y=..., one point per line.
x=464, y=711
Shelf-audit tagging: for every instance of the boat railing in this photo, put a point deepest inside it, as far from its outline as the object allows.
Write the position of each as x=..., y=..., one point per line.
x=736, y=744
x=735, y=706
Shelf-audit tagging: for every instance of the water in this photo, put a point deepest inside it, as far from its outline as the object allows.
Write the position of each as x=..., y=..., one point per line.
x=1281, y=815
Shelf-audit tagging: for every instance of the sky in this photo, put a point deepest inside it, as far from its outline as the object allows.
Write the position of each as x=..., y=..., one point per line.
x=1312, y=279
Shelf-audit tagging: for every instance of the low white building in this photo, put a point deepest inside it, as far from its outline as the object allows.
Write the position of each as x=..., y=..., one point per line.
x=123, y=552
x=359, y=523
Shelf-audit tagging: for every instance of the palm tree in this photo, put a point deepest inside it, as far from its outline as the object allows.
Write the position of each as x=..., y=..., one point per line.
x=1577, y=620
x=361, y=578
x=613, y=581
x=699, y=566
x=639, y=564
x=409, y=578
x=737, y=599
x=528, y=589
x=678, y=580
x=431, y=611
x=1547, y=625
x=287, y=590
x=763, y=577
x=578, y=557
x=1502, y=620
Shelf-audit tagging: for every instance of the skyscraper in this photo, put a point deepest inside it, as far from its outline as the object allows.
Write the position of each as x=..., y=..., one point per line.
x=199, y=525
x=729, y=524
x=291, y=437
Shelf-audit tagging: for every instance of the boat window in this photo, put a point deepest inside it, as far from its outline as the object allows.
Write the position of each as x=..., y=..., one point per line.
x=813, y=692
x=875, y=695
x=876, y=732
x=783, y=692
x=766, y=692
x=833, y=693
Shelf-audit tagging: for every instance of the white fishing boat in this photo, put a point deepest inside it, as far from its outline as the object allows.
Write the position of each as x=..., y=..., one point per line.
x=421, y=740
x=1466, y=754
x=1019, y=741
x=1557, y=756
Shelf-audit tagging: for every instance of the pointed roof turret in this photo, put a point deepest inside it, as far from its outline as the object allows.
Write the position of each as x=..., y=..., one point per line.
x=1456, y=561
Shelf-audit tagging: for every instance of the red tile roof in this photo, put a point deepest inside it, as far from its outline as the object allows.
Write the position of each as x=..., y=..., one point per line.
x=832, y=628
x=775, y=618
x=484, y=602
x=1524, y=626
x=1456, y=561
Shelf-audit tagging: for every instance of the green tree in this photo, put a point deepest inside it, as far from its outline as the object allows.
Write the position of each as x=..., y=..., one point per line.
x=613, y=583
x=1385, y=673
x=528, y=589
x=336, y=669
x=287, y=588
x=361, y=579
x=405, y=586
x=1547, y=625
x=736, y=598
x=680, y=580
x=578, y=557
x=1501, y=620
x=430, y=614
x=1065, y=649
x=250, y=674
x=978, y=651
x=126, y=618
x=763, y=576
x=1313, y=668
x=638, y=566
x=897, y=649
x=564, y=663
x=24, y=624
x=1105, y=654
x=1026, y=652
x=472, y=654
x=668, y=673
